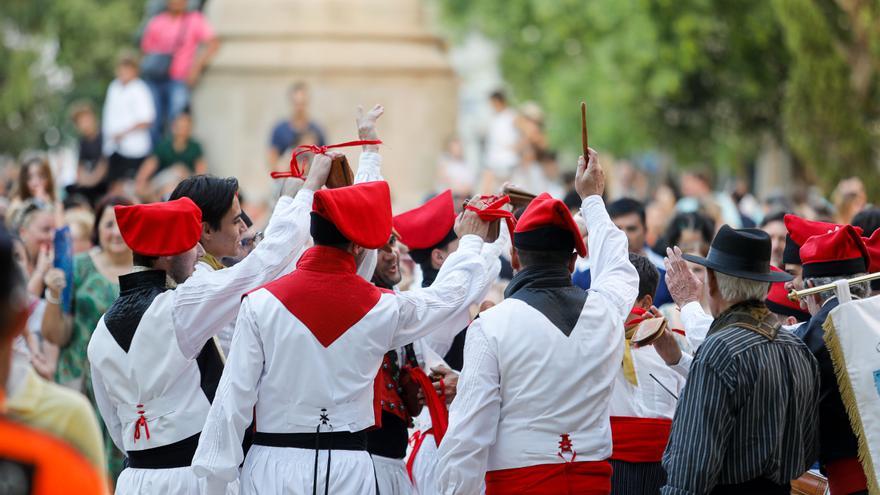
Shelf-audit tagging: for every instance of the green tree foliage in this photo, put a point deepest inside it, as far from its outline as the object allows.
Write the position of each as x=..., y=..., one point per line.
x=832, y=100
x=706, y=80
x=53, y=51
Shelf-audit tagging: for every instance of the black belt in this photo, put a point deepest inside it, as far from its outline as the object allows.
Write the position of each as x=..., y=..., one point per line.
x=759, y=486
x=174, y=455
x=334, y=440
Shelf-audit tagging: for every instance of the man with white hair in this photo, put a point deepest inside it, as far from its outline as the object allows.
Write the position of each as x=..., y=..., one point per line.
x=747, y=421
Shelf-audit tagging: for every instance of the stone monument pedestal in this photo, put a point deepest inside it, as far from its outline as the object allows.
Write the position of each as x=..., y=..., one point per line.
x=349, y=52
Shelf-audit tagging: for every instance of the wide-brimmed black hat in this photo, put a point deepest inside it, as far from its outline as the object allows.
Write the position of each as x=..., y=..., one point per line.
x=741, y=253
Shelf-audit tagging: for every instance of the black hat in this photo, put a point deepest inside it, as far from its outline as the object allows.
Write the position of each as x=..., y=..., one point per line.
x=792, y=253
x=741, y=253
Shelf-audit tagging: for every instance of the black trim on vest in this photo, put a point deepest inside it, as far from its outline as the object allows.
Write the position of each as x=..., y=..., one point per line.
x=210, y=369
x=136, y=293
x=335, y=440
x=174, y=455
x=549, y=290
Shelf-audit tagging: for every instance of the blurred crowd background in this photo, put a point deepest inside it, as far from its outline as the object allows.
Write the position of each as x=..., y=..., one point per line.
x=705, y=113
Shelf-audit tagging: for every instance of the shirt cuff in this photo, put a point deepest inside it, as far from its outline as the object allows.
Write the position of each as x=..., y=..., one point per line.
x=692, y=312
x=370, y=159
x=470, y=242
x=683, y=366
x=303, y=196
x=593, y=210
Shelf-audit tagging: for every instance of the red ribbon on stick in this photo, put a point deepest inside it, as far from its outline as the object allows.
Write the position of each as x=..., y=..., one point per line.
x=494, y=210
x=296, y=171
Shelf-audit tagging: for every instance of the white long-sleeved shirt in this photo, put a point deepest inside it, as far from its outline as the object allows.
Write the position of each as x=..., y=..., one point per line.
x=125, y=106
x=696, y=324
x=525, y=383
x=160, y=368
x=279, y=370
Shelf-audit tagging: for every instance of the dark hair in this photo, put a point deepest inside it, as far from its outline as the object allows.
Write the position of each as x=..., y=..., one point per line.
x=649, y=276
x=324, y=233
x=499, y=95
x=143, y=260
x=682, y=222
x=868, y=219
x=106, y=202
x=775, y=216
x=23, y=192
x=213, y=195
x=12, y=283
x=627, y=206
x=423, y=256
x=572, y=200
x=529, y=257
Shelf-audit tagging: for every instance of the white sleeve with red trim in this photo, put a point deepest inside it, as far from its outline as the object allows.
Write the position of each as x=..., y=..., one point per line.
x=696, y=323
x=473, y=418
x=208, y=301
x=459, y=284
x=219, y=453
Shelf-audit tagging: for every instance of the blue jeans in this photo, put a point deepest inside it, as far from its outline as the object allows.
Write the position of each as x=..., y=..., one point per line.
x=170, y=98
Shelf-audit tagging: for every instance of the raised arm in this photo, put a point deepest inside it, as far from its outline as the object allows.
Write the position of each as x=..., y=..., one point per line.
x=686, y=290
x=219, y=453
x=459, y=283
x=369, y=170
x=473, y=418
x=613, y=275
x=207, y=301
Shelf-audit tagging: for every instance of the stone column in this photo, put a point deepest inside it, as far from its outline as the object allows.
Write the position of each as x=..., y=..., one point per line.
x=349, y=52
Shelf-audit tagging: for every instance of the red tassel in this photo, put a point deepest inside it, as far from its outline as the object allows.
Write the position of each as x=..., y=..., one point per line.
x=296, y=171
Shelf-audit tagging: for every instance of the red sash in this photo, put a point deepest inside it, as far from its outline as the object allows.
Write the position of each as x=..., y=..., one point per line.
x=582, y=478
x=846, y=476
x=639, y=439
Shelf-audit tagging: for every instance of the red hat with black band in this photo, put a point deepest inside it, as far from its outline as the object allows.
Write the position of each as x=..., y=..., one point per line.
x=839, y=253
x=427, y=227
x=160, y=229
x=360, y=213
x=547, y=225
x=799, y=230
x=778, y=302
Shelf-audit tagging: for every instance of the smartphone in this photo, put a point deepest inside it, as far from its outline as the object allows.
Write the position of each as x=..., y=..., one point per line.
x=64, y=261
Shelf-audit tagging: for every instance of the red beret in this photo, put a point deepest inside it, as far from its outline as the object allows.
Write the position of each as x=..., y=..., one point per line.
x=778, y=302
x=838, y=253
x=547, y=214
x=426, y=226
x=801, y=229
x=160, y=229
x=361, y=212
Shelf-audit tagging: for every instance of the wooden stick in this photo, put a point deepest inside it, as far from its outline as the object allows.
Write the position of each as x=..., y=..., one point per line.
x=585, y=141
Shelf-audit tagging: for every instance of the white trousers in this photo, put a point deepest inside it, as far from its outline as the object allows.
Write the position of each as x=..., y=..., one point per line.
x=391, y=476
x=289, y=471
x=172, y=481
x=424, y=467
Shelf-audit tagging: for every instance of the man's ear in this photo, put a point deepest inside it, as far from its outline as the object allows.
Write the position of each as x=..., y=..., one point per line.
x=645, y=302
x=437, y=258
x=207, y=231
x=572, y=261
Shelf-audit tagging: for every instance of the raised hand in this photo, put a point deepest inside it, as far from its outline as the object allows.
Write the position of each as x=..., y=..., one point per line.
x=590, y=178
x=366, y=124
x=469, y=222
x=319, y=170
x=683, y=285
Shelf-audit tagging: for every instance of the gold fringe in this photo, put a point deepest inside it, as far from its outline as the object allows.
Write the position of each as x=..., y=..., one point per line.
x=832, y=342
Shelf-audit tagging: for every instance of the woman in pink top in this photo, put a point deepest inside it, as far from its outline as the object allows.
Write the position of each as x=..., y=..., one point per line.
x=181, y=34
